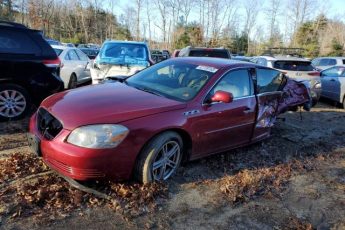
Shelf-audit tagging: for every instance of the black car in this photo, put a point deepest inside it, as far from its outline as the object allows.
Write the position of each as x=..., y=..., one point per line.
x=91, y=53
x=205, y=52
x=29, y=70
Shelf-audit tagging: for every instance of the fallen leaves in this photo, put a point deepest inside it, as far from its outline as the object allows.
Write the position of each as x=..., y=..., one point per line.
x=19, y=165
x=248, y=184
x=51, y=196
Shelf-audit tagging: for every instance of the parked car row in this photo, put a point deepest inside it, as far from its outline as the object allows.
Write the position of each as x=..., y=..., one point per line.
x=143, y=122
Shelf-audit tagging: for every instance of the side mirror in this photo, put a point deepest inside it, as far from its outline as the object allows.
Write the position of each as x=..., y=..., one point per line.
x=222, y=96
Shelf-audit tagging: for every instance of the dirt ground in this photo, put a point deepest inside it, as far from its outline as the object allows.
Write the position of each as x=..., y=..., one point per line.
x=294, y=180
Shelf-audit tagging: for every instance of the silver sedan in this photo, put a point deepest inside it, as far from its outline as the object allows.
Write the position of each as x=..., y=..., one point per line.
x=333, y=84
x=75, y=66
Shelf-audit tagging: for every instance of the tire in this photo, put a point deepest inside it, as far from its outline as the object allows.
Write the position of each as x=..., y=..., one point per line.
x=73, y=82
x=15, y=102
x=344, y=102
x=152, y=153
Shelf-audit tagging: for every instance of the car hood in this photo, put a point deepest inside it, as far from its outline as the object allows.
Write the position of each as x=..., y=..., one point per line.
x=108, y=103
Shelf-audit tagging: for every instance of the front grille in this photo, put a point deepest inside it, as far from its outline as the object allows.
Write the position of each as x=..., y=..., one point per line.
x=47, y=124
x=89, y=173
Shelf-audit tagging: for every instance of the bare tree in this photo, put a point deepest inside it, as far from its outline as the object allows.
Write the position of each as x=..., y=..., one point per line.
x=251, y=11
x=163, y=11
x=299, y=11
x=138, y=9
x=271, y=14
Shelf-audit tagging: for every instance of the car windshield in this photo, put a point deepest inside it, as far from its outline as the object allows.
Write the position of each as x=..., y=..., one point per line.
x=58, y=51
x=90, y=51
x=124, y=54
x=293, y=65
x=209, y=53
x=177, y=81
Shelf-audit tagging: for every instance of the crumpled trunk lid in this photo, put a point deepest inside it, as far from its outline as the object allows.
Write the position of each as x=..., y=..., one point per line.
x=295, y=93
x=106, y=70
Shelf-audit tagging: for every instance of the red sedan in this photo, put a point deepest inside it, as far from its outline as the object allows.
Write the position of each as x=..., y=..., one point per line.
x=145, y=125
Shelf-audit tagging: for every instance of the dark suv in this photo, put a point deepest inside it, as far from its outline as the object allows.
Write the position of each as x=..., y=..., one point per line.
x=29, y=70
x=204, y=52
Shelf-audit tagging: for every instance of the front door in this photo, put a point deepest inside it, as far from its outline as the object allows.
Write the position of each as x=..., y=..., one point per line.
x=221, y=126
x=268, y=87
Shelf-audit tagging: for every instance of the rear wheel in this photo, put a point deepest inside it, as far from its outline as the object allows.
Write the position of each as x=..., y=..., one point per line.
x=73, y=82
x=160, y=159
x=14, y=102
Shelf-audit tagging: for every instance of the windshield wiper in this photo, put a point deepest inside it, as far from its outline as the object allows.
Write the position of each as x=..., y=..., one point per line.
x=121, y=79
x=150, y=91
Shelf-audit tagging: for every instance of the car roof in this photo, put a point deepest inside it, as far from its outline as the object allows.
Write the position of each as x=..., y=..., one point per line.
x=283, y=58
x=213, y=62
x=330, y=58
x=61, y=47
x=12, y=24
x=125, y=42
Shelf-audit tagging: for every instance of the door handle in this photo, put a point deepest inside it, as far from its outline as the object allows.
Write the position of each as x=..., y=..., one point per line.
x=248, y=110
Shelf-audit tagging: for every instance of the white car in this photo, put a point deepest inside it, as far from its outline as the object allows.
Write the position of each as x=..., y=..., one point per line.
x=299, y=69
x=75, y=66
x=333, y=84
x=323, y=63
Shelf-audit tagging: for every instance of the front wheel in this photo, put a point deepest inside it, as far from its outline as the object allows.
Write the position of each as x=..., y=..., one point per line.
x=14, y=102
x=160, y=159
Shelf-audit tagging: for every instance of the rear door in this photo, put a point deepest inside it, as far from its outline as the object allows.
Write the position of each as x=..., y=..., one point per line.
x=268, y=90
x=85, y=66
x=226, y=125
x=330, y=83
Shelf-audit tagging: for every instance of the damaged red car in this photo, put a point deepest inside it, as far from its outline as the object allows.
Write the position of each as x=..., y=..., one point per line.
x=144, y=126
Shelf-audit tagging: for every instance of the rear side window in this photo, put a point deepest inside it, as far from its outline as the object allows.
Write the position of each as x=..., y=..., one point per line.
x=324, y=62
x=262, y=61
x=293, y=65
x=316, y=62
x=332, y=62
x=209, y=53
x=343, y=61
x=72, y=55
x=17, y=42
x=81, y=55
x=268, y=80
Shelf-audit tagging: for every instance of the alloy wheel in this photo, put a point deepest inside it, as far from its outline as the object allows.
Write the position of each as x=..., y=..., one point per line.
x=166, y=161
x=12, y=103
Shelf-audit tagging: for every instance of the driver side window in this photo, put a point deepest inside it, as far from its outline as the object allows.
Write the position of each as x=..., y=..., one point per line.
x=236, y=82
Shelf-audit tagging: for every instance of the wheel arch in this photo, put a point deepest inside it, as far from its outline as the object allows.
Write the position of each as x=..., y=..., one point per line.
x=186, y=138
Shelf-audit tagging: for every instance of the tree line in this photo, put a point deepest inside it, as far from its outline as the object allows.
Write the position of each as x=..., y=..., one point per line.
x=248, y=26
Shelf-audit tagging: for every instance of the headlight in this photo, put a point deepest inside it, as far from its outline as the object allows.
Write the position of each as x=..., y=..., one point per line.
x=98, y=136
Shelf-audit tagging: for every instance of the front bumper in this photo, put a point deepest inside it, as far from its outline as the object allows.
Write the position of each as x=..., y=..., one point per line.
x=82, y=163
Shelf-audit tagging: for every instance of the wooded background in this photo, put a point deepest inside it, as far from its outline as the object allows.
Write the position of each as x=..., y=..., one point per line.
x=174, y=24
